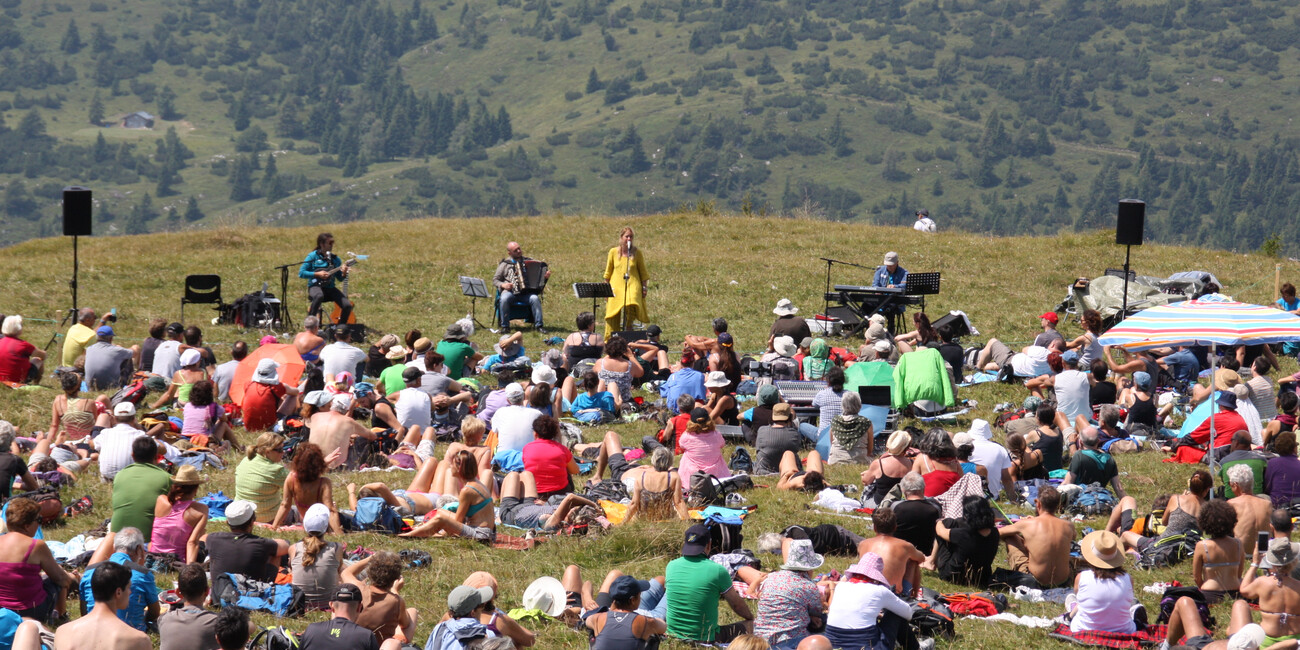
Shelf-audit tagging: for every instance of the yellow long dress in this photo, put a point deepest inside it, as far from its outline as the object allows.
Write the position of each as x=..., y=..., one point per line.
x=634, y=301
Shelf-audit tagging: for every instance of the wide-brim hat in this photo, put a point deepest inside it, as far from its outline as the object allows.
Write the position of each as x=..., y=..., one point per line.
x=545, y=594
x=1225, y=379
x=1281, y=552
x=785, y=308
x=717, y=379
x=544, y=374
x=454, y=331
x=782, y=412
x=422, y=345
x=1103, y=550
x=870, y=566
x=505, y=350
x=784, y=346
x=267, y=372
x=980, y=430
x=877, y=332
x=395, y=353
x=1226, y=399
x=1265, y=563
x=898, y=443
x=1249, y=637
x=801, y=557
x=187, y=475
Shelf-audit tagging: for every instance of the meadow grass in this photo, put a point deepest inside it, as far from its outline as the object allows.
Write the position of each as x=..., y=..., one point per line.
x=700, y=268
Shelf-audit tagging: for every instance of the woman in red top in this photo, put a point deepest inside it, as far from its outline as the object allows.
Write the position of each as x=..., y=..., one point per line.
x=20, y=361
x=937, y=462
x=549, y=461
x=262, y=397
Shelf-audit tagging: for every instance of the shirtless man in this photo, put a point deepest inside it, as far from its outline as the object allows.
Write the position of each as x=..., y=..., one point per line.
x=902, y=560
x=1039, y=546
x=309, y=341
x=1254, y=513
x=101, y=628
x=333, y=430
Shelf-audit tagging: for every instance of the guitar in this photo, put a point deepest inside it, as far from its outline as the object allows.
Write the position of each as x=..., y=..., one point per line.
x=353, y=258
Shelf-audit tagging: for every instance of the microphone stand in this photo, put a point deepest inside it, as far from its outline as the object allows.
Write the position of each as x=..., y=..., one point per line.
x=284, y=291
x=826, y=303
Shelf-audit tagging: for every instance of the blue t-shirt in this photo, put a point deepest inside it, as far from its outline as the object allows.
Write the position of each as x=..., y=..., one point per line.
x=603, y=401
x=1182, y=365
x=1288, y=306
x=495, y=359
x=144, y=591
x=686, y=381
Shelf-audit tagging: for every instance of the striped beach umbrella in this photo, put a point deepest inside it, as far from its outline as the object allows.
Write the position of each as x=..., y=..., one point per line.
x=1211, y=320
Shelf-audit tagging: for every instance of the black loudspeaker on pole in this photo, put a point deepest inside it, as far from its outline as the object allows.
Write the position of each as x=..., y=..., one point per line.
x=1129, y=222
x=76, y=223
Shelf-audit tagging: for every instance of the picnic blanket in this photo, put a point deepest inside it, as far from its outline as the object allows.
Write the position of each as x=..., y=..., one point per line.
x=1152, y=635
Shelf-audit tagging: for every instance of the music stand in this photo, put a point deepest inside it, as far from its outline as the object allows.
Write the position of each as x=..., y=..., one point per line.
x=593, y=290
x=475, y=288
x=922, y=284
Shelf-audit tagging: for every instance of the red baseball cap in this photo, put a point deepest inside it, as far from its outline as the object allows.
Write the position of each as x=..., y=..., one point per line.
x=1051, y=316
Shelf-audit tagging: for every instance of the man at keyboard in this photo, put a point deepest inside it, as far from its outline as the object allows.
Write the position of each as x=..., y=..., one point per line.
x=890, y=275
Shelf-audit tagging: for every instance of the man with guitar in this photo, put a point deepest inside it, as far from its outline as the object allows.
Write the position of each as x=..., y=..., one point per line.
x=319, y=270
x=509, y=278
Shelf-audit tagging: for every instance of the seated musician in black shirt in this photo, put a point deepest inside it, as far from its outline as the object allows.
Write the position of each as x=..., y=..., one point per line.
x=509, y=278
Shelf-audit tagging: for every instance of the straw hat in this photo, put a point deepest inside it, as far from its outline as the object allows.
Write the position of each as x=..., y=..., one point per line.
x=898, y=443
x=187, y=475
x=1102, y=550
x=1225, y=379
x=395, y=353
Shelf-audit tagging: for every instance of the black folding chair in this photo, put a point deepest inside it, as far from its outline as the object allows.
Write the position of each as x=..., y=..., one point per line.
x=202, y=290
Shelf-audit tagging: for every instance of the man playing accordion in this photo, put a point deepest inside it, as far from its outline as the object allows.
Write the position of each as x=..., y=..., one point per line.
x=513, y=279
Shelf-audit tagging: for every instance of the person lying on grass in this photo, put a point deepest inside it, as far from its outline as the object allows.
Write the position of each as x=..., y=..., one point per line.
x=473, y=517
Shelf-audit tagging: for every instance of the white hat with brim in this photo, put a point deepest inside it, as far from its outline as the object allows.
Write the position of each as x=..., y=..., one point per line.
x=980, y=429
x=785, y=346
x=1250, y=637
x=545, y=594
x=240, y=512
x=785, y=308
x=801, y=557
x=717, y=379
x=395, y=353
x=191, y=357
x=544, y=374
x=898, y=443
x=267, y=372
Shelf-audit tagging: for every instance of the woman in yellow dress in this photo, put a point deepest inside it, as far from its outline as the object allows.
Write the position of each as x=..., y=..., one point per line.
x=625, y=272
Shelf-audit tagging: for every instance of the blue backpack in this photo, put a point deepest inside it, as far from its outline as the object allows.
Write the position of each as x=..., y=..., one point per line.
x=374, y=514
x=255, y=595
x=1093, y=500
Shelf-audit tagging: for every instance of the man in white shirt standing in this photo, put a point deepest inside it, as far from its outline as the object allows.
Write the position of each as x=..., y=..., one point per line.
x=923, y=221
x=514, y=422
x=341, y=356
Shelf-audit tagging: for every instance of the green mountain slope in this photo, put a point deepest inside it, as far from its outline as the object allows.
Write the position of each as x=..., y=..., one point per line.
x=1004, y=117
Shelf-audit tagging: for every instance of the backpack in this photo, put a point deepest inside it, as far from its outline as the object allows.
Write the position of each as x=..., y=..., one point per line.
x=134, y=392
x=1170, y=598
x=374, y=514
x=706, y=490
x=741, y=461
x=1092, y=501
x=726, y=537
x=784, y=369
x=274, y=638
x=931, y=618
x=1168, y=550
x=606, y=491
x=255, y=595
x=47, y=498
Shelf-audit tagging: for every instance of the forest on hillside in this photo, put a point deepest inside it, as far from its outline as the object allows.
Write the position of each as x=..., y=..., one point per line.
x=1011, y=116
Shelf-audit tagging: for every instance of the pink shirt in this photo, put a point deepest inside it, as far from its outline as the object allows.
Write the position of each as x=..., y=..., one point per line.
x=548, y=460
x=170, y=533
x=701, y=452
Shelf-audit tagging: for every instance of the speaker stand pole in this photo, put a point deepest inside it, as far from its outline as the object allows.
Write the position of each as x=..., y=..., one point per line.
x=75, y=263
x=1128, y=248
x=826, y=303
x=284, y=297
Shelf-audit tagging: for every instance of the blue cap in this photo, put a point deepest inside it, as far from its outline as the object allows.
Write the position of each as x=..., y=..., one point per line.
x=104, y=331
x=1142, y=379
x=626, y=588
x=1070, y=356
x=363, y=388
x=1227, y=400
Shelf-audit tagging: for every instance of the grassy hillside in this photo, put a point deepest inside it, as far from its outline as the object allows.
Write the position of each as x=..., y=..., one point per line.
x=1025, y=117
x=700, y=268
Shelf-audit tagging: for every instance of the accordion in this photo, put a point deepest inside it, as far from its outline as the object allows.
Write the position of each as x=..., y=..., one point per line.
x=534, y=275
